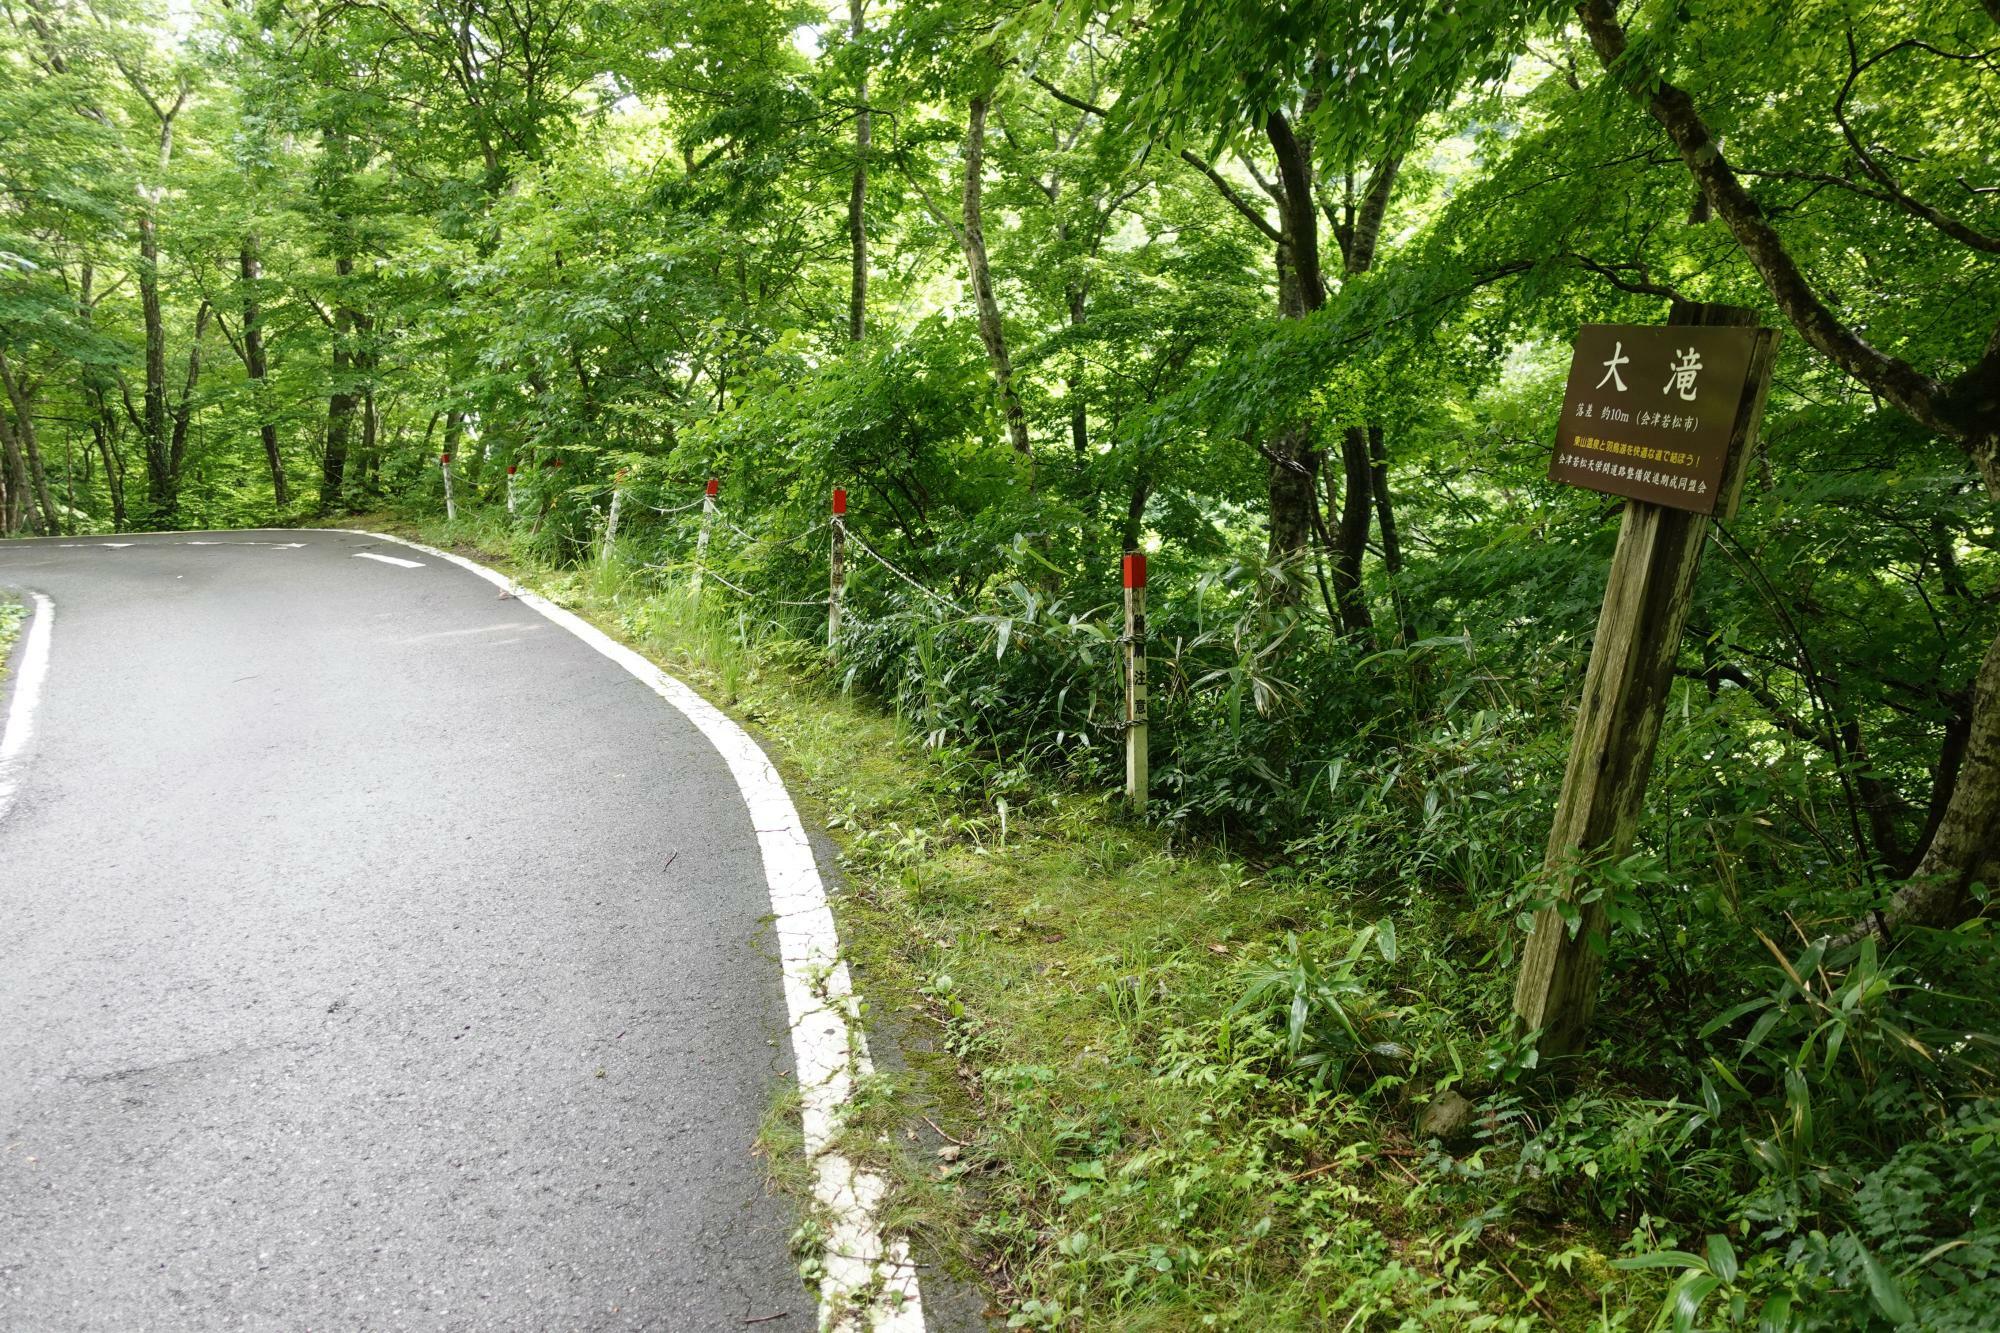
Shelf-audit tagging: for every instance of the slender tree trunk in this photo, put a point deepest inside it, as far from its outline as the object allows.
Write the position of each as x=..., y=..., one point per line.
x=162, y=486
x=371, y=438
x=13, y=479
x=1351, y=540
x=340, y=403
x=1293, y=464
x=38, y=477
x=1392, y=542
x=104, y=422
x=184, y=411
x=1079, y=411
x=857, y=194
x=1135, y=510
x=973, y=233
x=103, y=429
x=255, y=365
x=1965, y=846
x=20, y=399
x=1293, y=473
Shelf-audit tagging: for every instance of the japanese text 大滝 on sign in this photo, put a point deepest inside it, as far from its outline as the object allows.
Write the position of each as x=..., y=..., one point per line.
x=1650, y=411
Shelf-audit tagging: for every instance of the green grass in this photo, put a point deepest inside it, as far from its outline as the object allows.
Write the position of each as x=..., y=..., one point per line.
x=12, y=616
x=1083, y=1121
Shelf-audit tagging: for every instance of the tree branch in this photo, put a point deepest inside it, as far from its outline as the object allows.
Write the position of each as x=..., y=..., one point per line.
x=1957, y=412
x=1944, y=222
x=1229, y=192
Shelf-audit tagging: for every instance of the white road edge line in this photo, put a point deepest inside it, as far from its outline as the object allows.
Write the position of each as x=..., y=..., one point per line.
x=28, y=680
x=869, y=1284
x=394, y=559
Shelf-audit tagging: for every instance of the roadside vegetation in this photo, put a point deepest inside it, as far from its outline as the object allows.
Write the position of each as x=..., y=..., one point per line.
x=1152, y=1084
x=1283, y=297
x=12, y=613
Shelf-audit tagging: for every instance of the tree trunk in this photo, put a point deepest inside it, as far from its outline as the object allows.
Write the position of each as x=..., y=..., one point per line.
x=18, y=397
x=184, y=411
x=255, y=365
x=1385, y=522
x=13, y=480
x=973, y=234
x=1351, y=541
x=162, y=486
x=371, y=441
x=1965, y=846
x=1293, y=472
x=38, y=477
x=1293, y=464
x=857, y=194
x=103, y=429
x=1079, y=411
x=340, y=403
x=1135, y=510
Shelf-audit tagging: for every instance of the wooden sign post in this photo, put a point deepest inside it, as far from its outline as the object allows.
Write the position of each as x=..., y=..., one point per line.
x=1137, y=758
x=701, y=538
x=836, y=588
x=450, y=508
x=1668, y=417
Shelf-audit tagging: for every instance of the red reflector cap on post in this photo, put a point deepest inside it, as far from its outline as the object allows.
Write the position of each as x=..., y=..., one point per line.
x=1135, y=569
x=713, y=487
x=444, y=460
x=839, y=500
x=510, y=469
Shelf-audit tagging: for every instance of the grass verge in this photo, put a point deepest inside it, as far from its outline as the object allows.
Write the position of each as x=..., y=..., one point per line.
x=1124, y=1099
x=12, y=616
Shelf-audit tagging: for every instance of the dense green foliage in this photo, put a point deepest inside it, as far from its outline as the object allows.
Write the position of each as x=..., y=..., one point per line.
x=1283, y=295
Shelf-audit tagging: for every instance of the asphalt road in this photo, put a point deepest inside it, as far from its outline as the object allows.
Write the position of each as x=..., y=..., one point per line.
x=373, y=954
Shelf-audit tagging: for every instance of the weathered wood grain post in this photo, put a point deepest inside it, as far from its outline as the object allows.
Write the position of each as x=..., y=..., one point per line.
x=836, y=590
x=701, y=538
x=1673, y=439
x=510, y=488
x=611, y=519
x=450, y=508
x=1137, y=758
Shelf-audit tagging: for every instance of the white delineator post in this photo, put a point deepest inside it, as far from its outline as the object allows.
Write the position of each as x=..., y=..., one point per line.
x=1136, y=757
x=701, y=540
x=450, y=508
x=510, y=488
x=836, y=589
x=611, y=519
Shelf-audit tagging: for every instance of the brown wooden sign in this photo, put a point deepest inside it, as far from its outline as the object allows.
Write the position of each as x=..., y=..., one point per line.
x=1650, y=411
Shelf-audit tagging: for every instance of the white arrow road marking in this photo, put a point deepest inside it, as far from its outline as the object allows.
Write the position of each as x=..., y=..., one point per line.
x=27, y=693
x=389, y=559
x=868, y=1283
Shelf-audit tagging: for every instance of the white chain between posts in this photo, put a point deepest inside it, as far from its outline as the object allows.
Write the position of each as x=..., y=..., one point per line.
x=709, y=571
x=939, y=598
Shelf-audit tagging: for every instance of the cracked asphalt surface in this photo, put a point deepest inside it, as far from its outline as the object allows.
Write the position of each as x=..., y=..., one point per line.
x=373, y=954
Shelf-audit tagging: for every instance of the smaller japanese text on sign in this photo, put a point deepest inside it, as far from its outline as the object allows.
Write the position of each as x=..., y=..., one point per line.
x=1650, y=411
